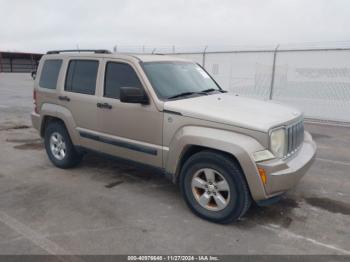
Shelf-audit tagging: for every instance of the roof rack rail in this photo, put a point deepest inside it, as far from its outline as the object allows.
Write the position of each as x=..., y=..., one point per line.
x=96, y=51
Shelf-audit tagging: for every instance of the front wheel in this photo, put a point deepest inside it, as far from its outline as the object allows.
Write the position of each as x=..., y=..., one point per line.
x=214, y=187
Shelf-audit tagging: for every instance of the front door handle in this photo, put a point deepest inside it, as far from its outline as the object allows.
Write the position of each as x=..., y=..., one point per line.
x=64, y=98
x=104, y=105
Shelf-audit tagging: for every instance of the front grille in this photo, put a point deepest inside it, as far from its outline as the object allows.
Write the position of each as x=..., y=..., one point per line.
x=295, y=137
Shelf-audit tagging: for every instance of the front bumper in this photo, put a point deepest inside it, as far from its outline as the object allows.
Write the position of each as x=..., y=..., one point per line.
x=285, y=174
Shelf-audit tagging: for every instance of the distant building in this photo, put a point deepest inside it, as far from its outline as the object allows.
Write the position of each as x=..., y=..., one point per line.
x=14, y=62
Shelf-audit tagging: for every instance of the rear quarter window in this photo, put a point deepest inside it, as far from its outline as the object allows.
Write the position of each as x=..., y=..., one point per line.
x=49, y=73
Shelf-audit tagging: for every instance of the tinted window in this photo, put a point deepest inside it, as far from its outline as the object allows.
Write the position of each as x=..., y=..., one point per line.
x=119, y=75
x=49, y=73
x=81, y=76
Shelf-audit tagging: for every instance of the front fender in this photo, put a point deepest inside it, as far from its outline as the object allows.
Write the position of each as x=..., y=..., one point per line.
x=238, y=145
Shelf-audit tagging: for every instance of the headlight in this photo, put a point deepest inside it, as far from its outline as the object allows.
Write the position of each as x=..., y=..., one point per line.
x=278, y=142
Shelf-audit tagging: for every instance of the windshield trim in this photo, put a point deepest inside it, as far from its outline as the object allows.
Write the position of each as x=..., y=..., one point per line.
x=142, y=63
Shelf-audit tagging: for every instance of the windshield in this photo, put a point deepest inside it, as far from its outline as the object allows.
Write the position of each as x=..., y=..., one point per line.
x=173, y=79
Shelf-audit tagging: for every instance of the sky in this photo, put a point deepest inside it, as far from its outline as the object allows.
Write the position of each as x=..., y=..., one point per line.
x=39, y=25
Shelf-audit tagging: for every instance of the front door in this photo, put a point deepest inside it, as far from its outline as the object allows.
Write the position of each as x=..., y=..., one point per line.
x=131, y=131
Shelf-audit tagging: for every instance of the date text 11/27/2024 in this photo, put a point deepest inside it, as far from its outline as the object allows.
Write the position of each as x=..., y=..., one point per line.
x=173, y=258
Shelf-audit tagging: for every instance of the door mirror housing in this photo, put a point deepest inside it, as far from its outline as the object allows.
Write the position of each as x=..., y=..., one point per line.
x=133, y=95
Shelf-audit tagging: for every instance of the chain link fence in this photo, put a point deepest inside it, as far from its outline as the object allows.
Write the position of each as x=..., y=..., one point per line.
x=312, y=78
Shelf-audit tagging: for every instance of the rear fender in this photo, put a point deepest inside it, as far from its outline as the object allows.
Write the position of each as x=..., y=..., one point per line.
x=63, y=114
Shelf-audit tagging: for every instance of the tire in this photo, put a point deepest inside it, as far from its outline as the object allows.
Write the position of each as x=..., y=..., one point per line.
x=70, y=157
x=237, y=196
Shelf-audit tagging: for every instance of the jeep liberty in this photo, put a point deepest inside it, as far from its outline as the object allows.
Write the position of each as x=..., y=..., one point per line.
x=168, y=113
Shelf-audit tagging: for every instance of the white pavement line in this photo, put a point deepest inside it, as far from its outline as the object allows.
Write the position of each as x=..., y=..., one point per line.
x=31, y=235
x=277, y=229
x=11, y=240
x=76, y=232
x=333, y=161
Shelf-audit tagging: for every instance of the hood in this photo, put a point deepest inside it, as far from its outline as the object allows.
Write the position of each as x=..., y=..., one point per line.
x=233, y=110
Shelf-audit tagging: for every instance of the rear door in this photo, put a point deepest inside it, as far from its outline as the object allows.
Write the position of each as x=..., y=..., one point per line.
x=78, y=95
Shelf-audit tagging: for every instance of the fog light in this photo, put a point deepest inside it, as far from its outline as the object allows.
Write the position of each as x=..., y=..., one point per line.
x=262, y=174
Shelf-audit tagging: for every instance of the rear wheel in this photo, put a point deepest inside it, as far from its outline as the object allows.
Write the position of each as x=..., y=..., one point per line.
x=214, y=187
x=59, y=146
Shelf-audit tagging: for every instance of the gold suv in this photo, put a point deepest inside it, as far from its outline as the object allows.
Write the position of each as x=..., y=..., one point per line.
x=168, y=113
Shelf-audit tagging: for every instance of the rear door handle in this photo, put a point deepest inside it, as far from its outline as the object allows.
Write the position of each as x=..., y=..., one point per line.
x=64, y=98
x=104, y=105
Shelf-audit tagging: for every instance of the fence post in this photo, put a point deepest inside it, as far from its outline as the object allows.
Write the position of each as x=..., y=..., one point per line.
x=32, y=61
x=1, y=69
x=273, y=72
x=11, y=66
x=204, y=53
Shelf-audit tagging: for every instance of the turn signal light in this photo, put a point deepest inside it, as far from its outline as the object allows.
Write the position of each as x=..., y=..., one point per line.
x=262, y=174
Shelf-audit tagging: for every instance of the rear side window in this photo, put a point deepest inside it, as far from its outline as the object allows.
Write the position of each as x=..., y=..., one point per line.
x=81, y=76
x=119, y=75
x=49, y=73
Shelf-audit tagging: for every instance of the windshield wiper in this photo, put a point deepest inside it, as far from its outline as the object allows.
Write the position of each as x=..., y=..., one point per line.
x=209, y=90
x=204, y=92
x=184, y=94
x=212, y=89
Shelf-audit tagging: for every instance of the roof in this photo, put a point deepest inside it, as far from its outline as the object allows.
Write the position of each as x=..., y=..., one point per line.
x=128, y=56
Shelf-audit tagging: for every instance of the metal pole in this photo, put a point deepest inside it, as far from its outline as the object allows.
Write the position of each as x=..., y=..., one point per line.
x=11, y=67
x=32, y=61
x=273, y=72
x=1, y=68
x=204, y=52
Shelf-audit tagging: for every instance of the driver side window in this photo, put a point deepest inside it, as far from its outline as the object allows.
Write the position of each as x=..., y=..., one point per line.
x=119, y=75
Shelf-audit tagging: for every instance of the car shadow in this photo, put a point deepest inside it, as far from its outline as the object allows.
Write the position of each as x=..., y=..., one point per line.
x=116, y=173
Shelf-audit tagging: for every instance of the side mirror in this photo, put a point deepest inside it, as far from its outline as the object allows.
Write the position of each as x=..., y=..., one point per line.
x=133, y=95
